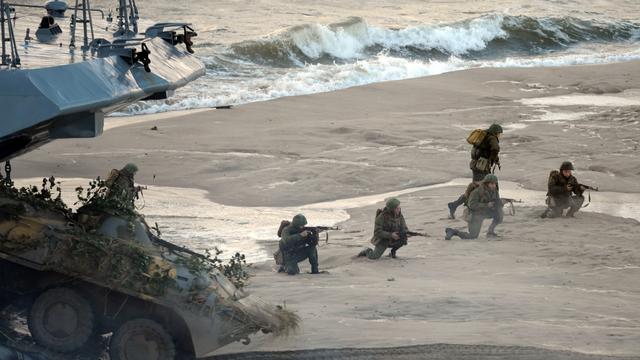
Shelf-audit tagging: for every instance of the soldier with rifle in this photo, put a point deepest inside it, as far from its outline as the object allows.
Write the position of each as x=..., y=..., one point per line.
x=298, y=243
x=564, y=192
x=390, y=231
x=484, y=203
x=121, y=184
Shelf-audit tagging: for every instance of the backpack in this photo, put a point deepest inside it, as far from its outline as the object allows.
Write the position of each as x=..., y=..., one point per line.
x=476, y=137
x=278, y=256
x=283, y=224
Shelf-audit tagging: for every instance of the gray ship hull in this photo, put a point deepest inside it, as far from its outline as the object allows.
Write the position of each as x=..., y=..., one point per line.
x=69, y=101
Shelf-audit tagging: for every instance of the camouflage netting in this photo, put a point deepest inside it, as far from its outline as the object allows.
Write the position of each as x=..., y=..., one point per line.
x=36, y=224
x=39, y=198
x=37, y=218
x=120, y=263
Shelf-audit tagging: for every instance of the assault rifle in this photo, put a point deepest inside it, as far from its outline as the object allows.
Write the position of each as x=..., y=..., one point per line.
x=405, y=235
x=320, y=229
x=312, y=239
x=587, y=187
x=315, y=232
x=510, y=202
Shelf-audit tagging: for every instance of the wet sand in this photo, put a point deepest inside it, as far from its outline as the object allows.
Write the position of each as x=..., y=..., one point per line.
x=568, y=284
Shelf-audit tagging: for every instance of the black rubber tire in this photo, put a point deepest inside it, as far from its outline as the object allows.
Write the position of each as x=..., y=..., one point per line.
x=60, y=319
x=142, y=339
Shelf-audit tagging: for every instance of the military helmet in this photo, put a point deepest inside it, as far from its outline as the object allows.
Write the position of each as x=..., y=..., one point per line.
x=393, y=203
x=131, y=168
x=495, y=129
x=567, y=165
x=490, y=178
x=299, y=220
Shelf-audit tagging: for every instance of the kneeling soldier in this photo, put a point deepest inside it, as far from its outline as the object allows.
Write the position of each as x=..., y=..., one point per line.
x=564, y=192
x=388, y=230
x=298, y=244
x=484, y=203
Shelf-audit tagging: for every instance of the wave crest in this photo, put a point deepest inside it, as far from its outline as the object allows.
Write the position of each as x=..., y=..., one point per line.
x=483, y=37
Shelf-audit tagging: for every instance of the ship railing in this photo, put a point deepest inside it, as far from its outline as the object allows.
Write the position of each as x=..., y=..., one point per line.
x=12, y=59
x=70, y=8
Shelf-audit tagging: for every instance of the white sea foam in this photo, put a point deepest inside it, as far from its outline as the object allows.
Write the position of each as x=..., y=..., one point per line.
x=350, y=39
x=583, y=100
x=549, y=116
x=319, y=78
x=454, y=39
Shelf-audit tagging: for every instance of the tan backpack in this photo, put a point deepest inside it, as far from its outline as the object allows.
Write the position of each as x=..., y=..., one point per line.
x=278, y=257
x=283, y=224
x=476, y=137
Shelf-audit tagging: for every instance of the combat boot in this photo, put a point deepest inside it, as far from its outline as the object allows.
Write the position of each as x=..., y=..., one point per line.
x=393, y=253
x=449, y=233
x=452, y=210
x=363, y=253
x=453, y=206
x=492, y=235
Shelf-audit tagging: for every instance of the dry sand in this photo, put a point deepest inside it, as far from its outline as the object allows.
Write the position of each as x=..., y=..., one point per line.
x=559, y=284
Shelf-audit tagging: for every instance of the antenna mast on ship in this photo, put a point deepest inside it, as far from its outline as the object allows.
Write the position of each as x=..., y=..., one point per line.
x=127, y=18
x=12, y=60
x=86, y=10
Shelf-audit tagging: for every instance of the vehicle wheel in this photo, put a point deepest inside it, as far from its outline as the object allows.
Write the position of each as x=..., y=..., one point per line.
x=61, y=319
x=141, y=339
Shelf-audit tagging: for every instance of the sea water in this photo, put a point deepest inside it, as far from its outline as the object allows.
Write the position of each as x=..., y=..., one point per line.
x=257, y=50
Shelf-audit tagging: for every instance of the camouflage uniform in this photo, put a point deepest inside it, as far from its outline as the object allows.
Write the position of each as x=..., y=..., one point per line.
x=478, y=206
x=564, y=193
x=121, y=184
x=488, y=149
x=295, y=248
x=387, y=222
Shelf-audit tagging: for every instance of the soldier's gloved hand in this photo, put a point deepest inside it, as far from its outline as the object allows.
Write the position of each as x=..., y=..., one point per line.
x=304, y=234
x=395, y=236
x=569, y=188
x=491, y=205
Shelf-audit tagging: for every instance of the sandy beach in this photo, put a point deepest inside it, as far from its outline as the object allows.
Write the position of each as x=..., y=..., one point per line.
x=562, y=284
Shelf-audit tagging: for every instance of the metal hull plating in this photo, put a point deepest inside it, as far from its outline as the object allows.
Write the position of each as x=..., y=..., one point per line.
x=66, y=101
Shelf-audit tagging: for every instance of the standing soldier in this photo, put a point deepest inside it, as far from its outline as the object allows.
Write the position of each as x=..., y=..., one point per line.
x=564, y=192
x=298, y=244
x=389, y=227
x=484, y=156
x=121, y=184
x=484, y=203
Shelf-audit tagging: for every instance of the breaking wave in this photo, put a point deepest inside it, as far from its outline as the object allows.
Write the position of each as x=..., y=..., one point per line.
x=323, y=78
x=486, y=36
x=317, y=58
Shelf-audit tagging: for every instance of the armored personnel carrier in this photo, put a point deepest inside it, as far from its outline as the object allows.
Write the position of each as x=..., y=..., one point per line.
x=81, y=274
